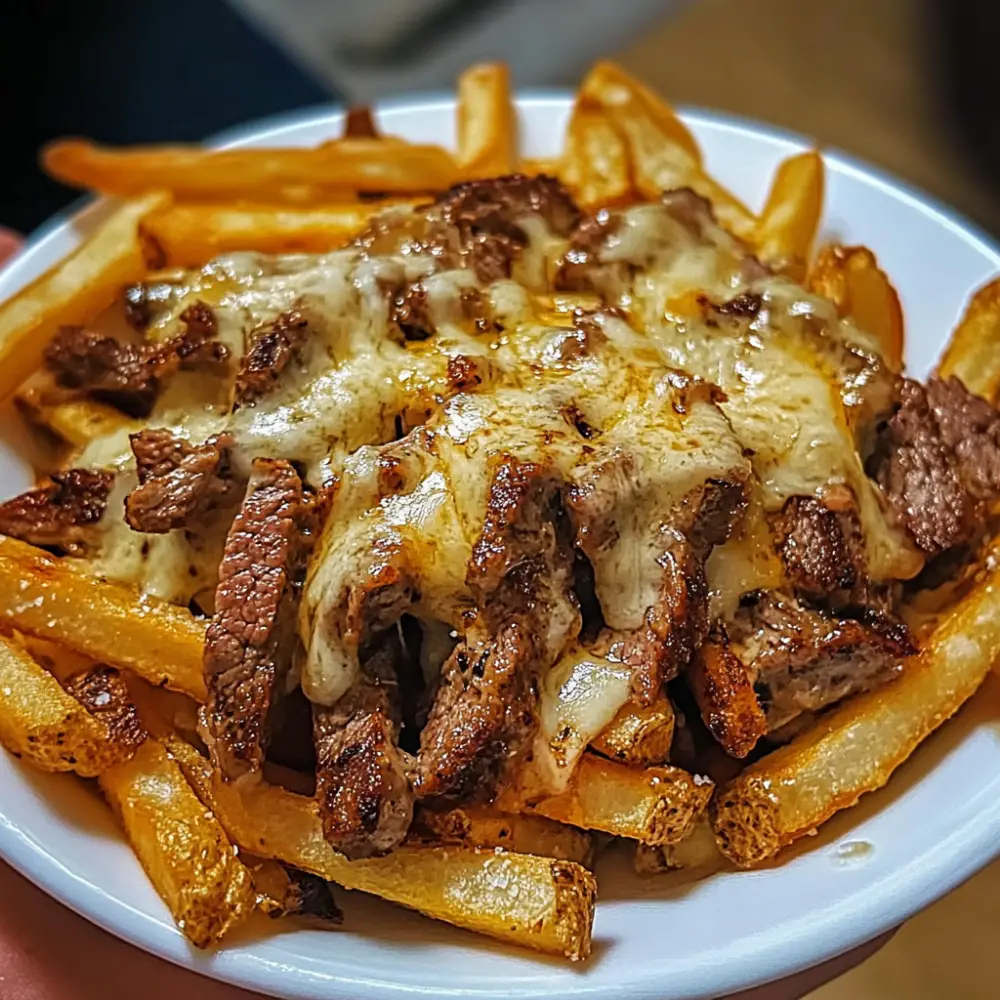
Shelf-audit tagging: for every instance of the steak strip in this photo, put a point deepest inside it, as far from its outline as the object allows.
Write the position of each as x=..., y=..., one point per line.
x=126, y=375
x=178, y=481
x=251, y=639
x=63, y=514
x=272, y=348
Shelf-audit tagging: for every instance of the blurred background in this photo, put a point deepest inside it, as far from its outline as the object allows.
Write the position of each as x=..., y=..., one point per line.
x=905, y=84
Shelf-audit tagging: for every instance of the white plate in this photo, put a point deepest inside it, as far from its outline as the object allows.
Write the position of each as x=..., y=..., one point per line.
x=934, y=827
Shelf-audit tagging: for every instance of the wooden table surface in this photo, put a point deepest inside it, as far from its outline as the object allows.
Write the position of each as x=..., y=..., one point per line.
x=855, y=74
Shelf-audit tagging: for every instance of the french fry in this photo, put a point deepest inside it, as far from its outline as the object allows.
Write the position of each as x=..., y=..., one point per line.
x=182, y=847
x=44, y=724
x=190, y=235
x=657, y=805
x=973, y=352
x=76, y=421
x=595, y=164
x=46, y=597
x=487, y=126
x=851, y=278
x=72, y=292
x=535, y=902
x=787, y=226
x=697, y=854
x=483, y=826
x=855, y=749
x=195, y=174
x=639, y=736
x=663, y=152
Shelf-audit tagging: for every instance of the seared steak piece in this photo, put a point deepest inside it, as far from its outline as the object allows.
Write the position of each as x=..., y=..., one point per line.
x=272, y=348
x=178, y=481
x=938, y=462
x=780, y=659
x=362, y=776
x=488, y=216
x=131, y=376
x=822, y=546
x=251, y=639
x=60, y=515
x=521, y=576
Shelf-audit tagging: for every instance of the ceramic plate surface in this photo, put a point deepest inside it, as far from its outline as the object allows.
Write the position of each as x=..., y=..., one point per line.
x=935, y=826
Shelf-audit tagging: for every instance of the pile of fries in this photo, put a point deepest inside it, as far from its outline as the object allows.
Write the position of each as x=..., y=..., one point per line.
x=100, y=681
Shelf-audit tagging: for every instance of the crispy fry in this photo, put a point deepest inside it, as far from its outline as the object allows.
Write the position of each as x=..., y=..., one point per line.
x=46, y=725
x=595, y=164
x=857, y=747
x=483, y=826
x=182, y=847
x=76, y=421
x=787, y=226
x=191, y=235
x=663, y=152
x=657, y=805
x=72, y=292
x=539, y=903
x=487, y=126
x=47, y=597
x=973, y=352
x=196, y=174
x=639, y=736
x=697, y=854
x=852, y=279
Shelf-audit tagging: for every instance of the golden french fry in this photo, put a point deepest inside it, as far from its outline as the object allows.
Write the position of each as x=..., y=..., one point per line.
x=973, y=352
x=851, y=278
x=76, y=421
x=191, y=235
x=46, y=597
x=595, y=164
x=657, y=805
x=639, y=736
x=536, y=902
x=44, y=724
x=484, y=826
x=663, y=153
x=855, y=749
x=72, y=292
x=182, y=847
x=197, y=174
x=697, y=854
x=487, y=125
x=787, y=226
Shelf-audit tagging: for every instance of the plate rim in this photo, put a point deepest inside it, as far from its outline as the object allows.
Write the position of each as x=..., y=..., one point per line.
x=911, y=887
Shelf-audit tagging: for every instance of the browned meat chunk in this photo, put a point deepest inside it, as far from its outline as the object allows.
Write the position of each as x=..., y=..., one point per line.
x=488, y=215
x=822, y=546
x=938, y=461
x=131, y=376
x=272, y=348
x=250, y=641
x=62, y=514
x=362, y=777
x=521, y=575
x=102, y=692
x=178, y=481
x=483, y=714
x=411, y=312
x=790, y=659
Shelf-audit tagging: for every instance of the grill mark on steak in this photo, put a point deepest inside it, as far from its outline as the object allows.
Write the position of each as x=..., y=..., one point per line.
x=178, y=481
x=521, y=576
x=938, y=462
x=362, y=776
x=251, y=638
x=788, y=659
x=272, y=348
x=486, y=214
x=62, y=514
x=131, y=376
